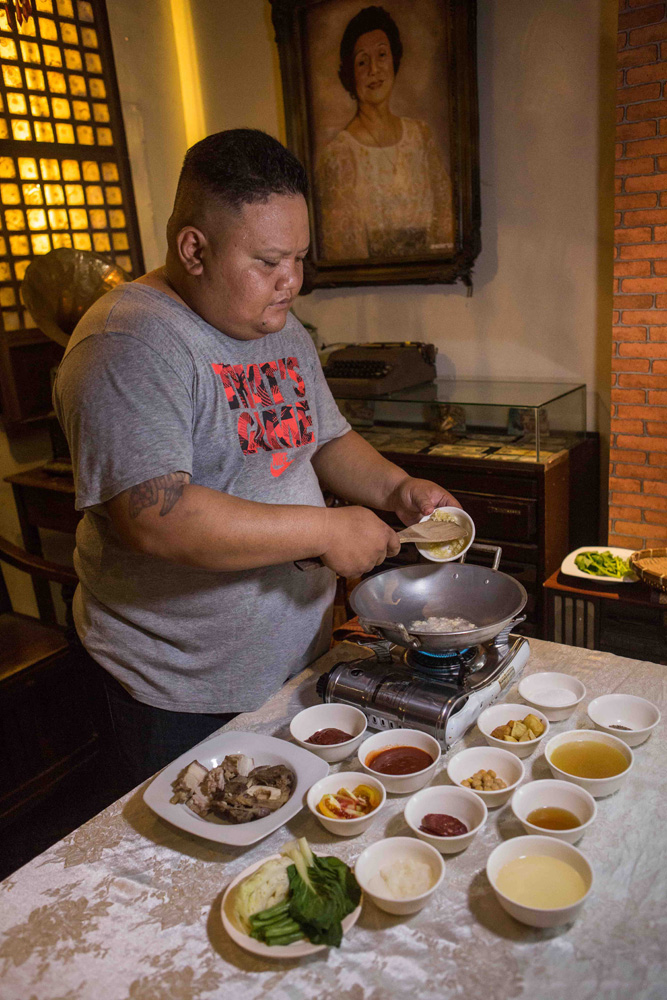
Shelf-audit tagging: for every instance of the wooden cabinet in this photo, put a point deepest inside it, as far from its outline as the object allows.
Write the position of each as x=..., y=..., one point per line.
x=47, y=728
x=626, y=619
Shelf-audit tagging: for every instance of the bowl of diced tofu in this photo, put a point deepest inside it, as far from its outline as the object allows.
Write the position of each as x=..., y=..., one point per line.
x=510, y=727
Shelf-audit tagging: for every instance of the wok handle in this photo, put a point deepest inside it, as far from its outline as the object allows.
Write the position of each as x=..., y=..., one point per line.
x=379, y=627
x=481, y=547
x=306, y=564
x=502, y=638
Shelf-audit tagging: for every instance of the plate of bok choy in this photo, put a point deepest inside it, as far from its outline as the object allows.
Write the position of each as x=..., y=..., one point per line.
x=291, y=904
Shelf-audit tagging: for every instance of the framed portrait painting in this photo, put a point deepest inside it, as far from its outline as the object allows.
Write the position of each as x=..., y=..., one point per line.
x=381, y=108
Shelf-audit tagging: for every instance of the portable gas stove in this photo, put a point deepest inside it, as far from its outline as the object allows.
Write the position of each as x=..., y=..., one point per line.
x=440, y=693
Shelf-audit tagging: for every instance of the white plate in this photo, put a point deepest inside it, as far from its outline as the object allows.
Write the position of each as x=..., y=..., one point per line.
x=264, y=750
x=298, y=949
x=568, y=564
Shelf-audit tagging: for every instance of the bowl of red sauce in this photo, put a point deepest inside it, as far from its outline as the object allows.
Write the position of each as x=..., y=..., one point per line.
x=331, y=731
x=446, y=817
x=402, y=759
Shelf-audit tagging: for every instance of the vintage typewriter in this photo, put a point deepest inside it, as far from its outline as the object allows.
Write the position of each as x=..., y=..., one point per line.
x=360, y=370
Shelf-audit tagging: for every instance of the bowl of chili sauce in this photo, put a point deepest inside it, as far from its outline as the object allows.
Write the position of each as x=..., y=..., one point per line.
x=402, y=759
x=331, y=731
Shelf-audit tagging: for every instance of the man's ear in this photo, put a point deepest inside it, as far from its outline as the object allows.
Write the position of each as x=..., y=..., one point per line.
x=190, y=244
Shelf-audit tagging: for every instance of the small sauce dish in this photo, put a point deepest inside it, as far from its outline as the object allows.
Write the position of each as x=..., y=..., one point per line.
x=329, y=716
x=559, y=794
x=330, y=785
x=507, y=766
x=401, y=784
x=637, y=714
x=387, y=853
x=464, y=520
x=498, y=715
x=461, y=803
x=555, y=694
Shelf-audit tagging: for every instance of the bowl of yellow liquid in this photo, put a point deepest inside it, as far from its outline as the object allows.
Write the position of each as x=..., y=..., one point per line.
x=596, y=761
x=552, y=808
x=539, y=881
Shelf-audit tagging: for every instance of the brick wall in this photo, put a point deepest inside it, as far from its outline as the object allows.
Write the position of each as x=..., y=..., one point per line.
x=638, y=455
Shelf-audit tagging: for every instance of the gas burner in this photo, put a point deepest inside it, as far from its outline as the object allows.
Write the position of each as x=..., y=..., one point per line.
x=450, y=665
x=441, y=694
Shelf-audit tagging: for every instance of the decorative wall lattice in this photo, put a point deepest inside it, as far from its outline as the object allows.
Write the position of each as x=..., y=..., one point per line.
x=64, y=173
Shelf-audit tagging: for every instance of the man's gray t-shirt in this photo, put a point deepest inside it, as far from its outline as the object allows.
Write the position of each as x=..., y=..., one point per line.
x=147, y=387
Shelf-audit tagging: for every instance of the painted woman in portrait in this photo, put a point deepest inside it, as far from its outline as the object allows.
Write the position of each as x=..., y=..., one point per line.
x=383, y=189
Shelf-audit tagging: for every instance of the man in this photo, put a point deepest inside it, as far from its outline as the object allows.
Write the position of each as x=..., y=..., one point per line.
x=202, y=432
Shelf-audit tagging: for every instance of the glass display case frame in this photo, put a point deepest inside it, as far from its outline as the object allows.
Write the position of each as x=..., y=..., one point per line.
x=491, y=419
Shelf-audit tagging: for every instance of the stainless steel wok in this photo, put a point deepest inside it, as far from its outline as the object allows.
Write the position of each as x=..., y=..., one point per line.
x=389, y=602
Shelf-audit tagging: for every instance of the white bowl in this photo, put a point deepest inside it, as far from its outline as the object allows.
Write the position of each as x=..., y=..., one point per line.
x=640, y=715
x=521, y=847
x=401, y=784
x=498, y=715
x=561, y=795
x=506, y=765
x=461, y=803
x=385, y=853
x=329, y=716
x=464, y=520
x=598, y=787
x=556, y=695
x=331, y=784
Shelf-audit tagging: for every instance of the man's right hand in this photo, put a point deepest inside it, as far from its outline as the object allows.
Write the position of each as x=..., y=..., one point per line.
x=356, y=541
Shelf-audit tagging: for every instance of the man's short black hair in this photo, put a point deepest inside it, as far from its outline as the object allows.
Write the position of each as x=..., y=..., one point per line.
x=235, y=168
x=368, y=19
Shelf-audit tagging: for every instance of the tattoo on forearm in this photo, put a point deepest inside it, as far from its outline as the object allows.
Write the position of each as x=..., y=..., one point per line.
x=148, y=494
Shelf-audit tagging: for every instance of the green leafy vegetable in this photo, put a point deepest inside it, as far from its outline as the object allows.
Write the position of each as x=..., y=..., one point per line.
x=322, y=891
x=323, y=899
x=602, y=564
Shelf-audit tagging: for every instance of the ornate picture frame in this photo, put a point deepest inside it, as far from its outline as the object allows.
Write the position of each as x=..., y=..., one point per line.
x=394, y=187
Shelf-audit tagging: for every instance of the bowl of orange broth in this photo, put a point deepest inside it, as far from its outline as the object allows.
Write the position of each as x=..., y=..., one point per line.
x=538, y=880
x=552, y=808
x=596, y=761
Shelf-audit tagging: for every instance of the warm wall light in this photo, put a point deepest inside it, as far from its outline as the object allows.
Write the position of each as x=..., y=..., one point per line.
x=188, y=70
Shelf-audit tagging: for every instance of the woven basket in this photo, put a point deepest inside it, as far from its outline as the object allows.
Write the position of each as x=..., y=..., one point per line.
x=650, y=565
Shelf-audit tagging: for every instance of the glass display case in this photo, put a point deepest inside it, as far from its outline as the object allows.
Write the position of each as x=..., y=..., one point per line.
x=508, y=421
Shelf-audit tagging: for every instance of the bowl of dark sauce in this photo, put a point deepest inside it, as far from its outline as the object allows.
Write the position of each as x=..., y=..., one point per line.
x=331, y=731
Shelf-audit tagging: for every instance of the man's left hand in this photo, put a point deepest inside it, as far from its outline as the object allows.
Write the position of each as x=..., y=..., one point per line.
x=413, y=499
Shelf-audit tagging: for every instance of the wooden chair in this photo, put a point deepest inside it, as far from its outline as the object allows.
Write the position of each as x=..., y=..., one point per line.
x=51, y=712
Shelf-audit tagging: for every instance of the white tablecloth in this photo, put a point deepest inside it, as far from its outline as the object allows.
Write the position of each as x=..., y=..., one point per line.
x=128, y=908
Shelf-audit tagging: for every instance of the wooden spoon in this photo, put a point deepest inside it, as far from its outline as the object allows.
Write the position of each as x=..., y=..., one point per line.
x=426, y=532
